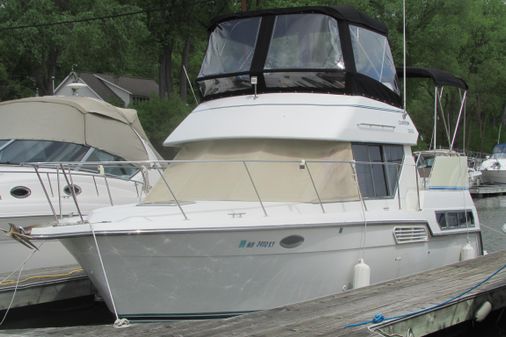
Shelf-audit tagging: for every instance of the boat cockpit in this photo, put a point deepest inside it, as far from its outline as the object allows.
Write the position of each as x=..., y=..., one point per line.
x=313, y=49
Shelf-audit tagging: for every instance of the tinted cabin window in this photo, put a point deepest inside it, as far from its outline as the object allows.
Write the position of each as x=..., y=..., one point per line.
x=455, y=219
x=119, y=170
x=25, y=151
x=378, y=168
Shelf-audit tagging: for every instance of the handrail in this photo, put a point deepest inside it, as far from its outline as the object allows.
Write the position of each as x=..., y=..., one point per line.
x=323, y=199
x=254, y=187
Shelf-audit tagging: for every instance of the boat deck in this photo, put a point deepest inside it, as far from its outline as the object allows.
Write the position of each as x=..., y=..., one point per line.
x=37, y=286
x=329, y=316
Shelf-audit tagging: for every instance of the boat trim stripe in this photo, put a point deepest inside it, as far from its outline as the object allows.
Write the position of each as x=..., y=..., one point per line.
x=230, y=229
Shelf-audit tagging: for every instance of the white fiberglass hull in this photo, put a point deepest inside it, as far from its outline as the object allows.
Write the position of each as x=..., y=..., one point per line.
x=219, y=273
x=494, y=176
x=35, y=210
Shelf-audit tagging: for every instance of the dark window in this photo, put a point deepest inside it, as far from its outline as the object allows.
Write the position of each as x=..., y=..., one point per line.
x=25, y=151
x=378, y=168
x=121, y=170
x=455, y=219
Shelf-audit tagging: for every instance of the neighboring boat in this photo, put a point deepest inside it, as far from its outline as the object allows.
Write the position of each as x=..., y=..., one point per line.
x=425, y=159
x=294, y=180
x=493, y=169
x=64, y=129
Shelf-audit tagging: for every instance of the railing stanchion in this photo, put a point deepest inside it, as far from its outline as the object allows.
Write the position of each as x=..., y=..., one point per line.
x=72, y=191
x=59, y=191
x=49, y=183
x=399, y=184
x=417, y=188
x=45, y=192
x=306, y=166
x=355, y=177
x=254, y=187
x=171, y=192
x=101, y=170
x=95, y=183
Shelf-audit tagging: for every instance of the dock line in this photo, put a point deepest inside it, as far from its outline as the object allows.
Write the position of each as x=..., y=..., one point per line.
x=378, y=318
x=21, y=267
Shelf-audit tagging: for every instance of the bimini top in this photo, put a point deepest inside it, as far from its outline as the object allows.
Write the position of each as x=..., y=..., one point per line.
x=312, y=49
x=80, y=120
x=439, y=77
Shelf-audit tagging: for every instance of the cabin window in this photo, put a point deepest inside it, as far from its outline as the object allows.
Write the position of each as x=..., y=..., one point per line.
x=373, y=57
x=231, y=47
x=120, y=169
x=3, y=142
x=378, y=168
x=25, y=151
x=305, y=41
x=448, y=220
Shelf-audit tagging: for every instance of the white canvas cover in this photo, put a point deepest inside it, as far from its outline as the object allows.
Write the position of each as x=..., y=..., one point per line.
x=449, y=172
x=80, y=120
x=275, y=168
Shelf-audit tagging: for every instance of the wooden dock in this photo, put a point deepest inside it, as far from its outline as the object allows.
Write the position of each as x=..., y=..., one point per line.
x=487, y=190
x=328, y=316
x=44, y=285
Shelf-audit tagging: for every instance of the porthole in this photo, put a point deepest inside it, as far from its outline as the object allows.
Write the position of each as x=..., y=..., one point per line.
x=67, y=189
x=291, y=241
x=20, y=192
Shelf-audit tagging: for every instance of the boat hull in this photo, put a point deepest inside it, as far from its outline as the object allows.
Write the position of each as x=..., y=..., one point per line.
x=222, y=273
x=494, y=176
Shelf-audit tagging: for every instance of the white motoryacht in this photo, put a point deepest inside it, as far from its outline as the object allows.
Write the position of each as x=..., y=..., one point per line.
x=294, y=180
x=493, y=169
x=74, y=129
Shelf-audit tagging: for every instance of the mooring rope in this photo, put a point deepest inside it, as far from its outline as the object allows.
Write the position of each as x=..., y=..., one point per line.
x=19, y=270
x=379, y=317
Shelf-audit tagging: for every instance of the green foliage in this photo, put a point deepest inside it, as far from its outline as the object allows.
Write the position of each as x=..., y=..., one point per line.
x=464, y=37
x=159, y=117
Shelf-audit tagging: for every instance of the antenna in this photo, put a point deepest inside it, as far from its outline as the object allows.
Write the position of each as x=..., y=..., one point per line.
x=404, y=57
x=75, y=87
x=190, y=83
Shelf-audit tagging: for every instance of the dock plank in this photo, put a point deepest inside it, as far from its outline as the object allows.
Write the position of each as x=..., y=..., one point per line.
x=320, y=317
x=44, y=285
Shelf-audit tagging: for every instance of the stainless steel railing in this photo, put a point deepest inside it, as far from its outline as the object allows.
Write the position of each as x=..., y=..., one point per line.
x=70, y=170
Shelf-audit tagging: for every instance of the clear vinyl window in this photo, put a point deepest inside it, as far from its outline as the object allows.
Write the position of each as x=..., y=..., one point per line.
x=305, y=41
x=373, y=57
x=231, y=47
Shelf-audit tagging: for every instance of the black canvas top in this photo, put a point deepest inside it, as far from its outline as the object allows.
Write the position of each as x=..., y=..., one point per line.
x=440, y=77
x=344, y=13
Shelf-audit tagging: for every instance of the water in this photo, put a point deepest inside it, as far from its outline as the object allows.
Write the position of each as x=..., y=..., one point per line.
x=492, y=214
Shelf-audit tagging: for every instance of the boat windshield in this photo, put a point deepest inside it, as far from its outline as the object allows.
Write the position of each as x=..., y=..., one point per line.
x=373, y=57
x=297, y=52
x=499, y=151
x=25, y=151
x=17, y=151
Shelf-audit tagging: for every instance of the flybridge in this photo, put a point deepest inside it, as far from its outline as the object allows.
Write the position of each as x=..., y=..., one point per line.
x=314, y=49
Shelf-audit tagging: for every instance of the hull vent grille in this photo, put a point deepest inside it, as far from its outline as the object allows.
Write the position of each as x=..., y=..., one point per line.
x=410, y=234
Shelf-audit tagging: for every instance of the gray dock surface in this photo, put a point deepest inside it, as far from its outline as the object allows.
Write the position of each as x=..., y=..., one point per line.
x=487, y=190
x=329, y=315
x=37, y=286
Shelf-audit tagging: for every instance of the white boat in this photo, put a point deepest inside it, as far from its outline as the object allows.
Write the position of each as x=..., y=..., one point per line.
x=64, y=129
x=296, y=166
x=493, y=169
